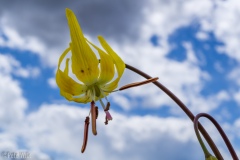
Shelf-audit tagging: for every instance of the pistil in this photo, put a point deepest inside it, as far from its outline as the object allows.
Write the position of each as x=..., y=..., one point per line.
x=93, y=118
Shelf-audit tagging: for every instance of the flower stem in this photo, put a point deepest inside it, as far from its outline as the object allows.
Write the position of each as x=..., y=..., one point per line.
x=220, y=130
x=206, y=153
x=183, y=107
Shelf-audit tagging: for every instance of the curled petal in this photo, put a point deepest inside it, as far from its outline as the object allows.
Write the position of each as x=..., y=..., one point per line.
x=107, y=70
x=62, y=56
x=120, y=65
x=67, y=84
x=82, y=99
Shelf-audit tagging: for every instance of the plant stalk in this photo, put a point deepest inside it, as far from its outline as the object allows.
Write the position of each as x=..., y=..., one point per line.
x=183, y=107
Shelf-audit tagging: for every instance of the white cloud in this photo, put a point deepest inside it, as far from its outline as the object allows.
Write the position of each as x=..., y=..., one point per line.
x=8, y=142
x=28, y=72
x=12, y=102
x=234, y=75
x=49, y=56
x=14, y=40
x=59, y=128
x=223, y=22
x=236, y=96
x=121, y=99
x=185, y=79
x=9, y=65
x=52, y=82
x=202, y=35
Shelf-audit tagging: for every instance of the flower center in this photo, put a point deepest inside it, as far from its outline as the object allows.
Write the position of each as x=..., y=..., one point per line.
x=93, y=91
x=97, y=90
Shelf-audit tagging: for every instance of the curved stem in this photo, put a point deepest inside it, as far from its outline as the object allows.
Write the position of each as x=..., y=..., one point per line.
x=207, y=154
x=183, y=107
x=220, y=130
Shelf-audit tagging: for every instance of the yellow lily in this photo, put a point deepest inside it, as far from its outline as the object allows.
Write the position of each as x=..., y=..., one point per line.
x=96, y=80
x=96, y=76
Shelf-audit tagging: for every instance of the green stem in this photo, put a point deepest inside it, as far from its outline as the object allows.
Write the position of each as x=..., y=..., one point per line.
x=206, y=153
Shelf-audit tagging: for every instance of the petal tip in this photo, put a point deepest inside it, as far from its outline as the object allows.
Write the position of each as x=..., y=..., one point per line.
x=69, y=12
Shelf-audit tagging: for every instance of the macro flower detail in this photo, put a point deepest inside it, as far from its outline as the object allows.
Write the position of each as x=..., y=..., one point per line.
x=96, y=78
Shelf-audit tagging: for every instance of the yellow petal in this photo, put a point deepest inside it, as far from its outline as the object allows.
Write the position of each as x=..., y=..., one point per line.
x=66, y=95
x=106, y=66
x=62, y=56
x=84, y=61
x=67, y=84
x=120, y=65
x=84, y=99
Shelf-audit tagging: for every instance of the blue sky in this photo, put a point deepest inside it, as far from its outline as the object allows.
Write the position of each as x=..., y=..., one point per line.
x=193, y=50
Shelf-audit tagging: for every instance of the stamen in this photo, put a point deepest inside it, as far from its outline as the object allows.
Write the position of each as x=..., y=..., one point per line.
x=106, y=98
x=93, y=118
x=85, y=137
x=96, y=110
x=106, y=120
x=138, y=83
x=110, y=91
x=102, y=104
x=108, y=115
x=107, y=106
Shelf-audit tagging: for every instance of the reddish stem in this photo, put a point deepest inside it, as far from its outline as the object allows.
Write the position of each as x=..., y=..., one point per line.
x=183, y=107
x=220, y=130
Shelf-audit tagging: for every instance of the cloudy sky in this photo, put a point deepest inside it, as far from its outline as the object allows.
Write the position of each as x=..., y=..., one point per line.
x=191, y=45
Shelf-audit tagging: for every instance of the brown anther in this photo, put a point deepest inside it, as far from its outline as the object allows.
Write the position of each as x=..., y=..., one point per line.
x=85, y=137
x=107, y=106
x=96, y=110
x=138, y=83
x=93, y=118
x=106, y=120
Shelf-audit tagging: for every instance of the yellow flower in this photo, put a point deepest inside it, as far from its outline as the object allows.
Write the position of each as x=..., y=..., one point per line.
x=96, y=78
x=96, y=75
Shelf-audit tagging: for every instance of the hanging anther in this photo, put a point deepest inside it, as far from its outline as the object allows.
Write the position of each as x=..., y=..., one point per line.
x=85, y=137
x=107, y=106
x=96, y=110
x=106, y=120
